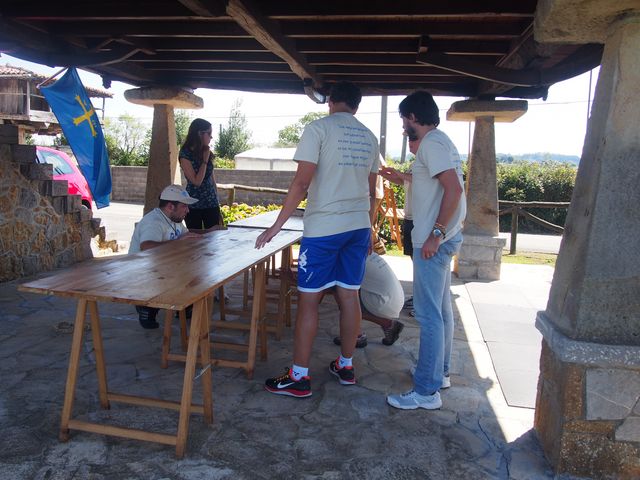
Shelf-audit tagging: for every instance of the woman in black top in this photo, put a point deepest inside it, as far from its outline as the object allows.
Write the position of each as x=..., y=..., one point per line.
x=196, y=160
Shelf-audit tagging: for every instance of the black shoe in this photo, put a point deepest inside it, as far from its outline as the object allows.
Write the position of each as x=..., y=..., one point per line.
x=147, y=317
x=286, y=385
x=360, y=343
x=346, y=375
x=392, y=333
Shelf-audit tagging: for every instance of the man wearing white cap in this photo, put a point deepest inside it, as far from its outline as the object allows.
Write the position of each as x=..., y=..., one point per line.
x=161, y=225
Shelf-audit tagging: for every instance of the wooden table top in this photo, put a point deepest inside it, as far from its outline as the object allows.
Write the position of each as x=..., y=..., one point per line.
x=265, y=220
x=172, y=276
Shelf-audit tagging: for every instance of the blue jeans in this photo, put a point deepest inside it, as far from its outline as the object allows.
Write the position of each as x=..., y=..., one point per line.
x=434, y=313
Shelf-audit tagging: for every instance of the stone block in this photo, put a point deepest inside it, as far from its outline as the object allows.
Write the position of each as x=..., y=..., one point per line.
x=37, y=171
x=611, y=394
x=489, y=271
x=9, y=134
x=629, y=431
x=597, y=456
x=59, y=203
x=28, y=198
x=23, y=153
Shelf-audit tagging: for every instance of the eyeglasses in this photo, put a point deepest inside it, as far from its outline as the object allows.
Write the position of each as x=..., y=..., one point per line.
x=208, y=132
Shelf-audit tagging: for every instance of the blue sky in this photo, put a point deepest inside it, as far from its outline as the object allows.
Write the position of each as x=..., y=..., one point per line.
x=557, y=125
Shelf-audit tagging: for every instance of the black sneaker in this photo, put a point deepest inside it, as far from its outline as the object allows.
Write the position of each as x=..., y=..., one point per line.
x=360, y=343
x=392, y=333
x=286, y=385
x=346, y=375
x=147, y=317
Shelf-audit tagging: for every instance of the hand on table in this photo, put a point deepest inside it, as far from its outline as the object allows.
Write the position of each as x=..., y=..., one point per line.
x=266, y=236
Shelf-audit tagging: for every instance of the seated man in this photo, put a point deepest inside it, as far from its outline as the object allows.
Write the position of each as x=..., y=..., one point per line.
x=381, y=300
x=161, y=225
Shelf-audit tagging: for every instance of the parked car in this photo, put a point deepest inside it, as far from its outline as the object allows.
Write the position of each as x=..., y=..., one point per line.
x=66, y=169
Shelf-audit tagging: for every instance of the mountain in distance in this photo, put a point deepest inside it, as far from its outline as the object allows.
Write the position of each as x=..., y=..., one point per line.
x=538, y=157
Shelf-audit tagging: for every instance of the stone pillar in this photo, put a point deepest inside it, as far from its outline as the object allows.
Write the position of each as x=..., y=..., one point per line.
x=481, y=253
x=163, y=153
x=588, y=405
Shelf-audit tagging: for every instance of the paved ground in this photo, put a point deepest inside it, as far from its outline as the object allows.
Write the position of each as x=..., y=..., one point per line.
x=340, y=432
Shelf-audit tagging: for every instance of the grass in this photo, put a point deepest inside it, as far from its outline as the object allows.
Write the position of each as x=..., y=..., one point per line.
x=530, y=258
x=525, y=258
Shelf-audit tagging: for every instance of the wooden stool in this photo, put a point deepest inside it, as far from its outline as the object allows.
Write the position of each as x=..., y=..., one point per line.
x=256, y=328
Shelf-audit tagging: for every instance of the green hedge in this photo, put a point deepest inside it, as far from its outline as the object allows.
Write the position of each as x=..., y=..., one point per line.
x=536, y=182
x=521, y=181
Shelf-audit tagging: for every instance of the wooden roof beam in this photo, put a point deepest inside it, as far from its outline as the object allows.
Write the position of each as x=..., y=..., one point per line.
x=589, y=57
x=247, y=14
x=206, y=8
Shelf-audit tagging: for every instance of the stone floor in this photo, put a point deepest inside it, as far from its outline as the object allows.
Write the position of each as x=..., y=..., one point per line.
x=339, y=432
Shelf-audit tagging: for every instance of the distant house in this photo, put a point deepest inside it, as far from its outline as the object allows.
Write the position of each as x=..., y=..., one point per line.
x=266, y=158
x=22, y=103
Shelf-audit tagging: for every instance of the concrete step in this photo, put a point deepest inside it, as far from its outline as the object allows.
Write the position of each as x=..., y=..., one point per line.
x=9, y=134
x=37, y=171
x=51, y=187
x=23, y=153
x=64, y=204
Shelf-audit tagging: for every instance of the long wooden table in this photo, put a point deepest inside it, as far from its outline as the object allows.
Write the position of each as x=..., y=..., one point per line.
x=171, y=276
x=265, y=220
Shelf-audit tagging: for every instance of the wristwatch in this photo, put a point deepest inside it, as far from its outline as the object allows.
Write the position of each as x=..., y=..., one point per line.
x=437, y=233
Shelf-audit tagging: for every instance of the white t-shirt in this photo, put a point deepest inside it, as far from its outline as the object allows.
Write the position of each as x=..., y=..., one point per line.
x=436, y=154
x=155, y=226
x=408, y=213
x=345, y=152
x=381, y=292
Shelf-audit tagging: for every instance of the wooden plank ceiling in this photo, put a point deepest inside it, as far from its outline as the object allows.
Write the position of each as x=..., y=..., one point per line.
x=467, y=48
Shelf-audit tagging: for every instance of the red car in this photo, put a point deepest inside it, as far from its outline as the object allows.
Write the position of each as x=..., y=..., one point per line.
x=66, y=169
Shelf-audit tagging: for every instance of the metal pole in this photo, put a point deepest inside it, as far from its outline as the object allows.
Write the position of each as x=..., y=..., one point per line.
x=383, y=126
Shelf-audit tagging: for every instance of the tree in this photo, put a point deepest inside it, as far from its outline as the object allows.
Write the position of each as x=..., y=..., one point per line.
x=290, y=135
x=183, y=120
x=235, y=137
x=127, y=141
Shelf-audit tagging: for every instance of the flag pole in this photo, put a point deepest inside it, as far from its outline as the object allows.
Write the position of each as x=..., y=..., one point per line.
x=51, y=77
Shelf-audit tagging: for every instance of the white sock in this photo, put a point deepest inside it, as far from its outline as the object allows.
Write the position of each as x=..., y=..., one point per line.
x=298, y=372
x=344, y=362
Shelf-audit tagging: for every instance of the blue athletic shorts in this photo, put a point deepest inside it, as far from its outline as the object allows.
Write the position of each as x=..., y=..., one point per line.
x=333, y=260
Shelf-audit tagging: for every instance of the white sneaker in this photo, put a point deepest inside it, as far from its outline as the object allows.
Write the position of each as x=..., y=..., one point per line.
x=446, y=380
x=412, y=400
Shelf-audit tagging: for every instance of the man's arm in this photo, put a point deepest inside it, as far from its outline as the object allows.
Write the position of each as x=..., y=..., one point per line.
x=395, y=176
x=452, y=193
x=297, y=191
x=147, y=244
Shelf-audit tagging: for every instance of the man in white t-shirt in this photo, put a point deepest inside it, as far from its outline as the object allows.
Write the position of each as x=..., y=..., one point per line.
x=161, y=225
x=381, y=299
x=439, y=208
x=337, y=164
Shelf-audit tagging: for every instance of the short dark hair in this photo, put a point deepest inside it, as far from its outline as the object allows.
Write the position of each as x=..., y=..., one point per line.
x=346, y=92
x=164, y=203
x=422, y=105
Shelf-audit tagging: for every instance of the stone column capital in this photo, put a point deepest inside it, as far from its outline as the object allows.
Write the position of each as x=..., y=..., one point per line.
x=175, y=96
x=501, y=110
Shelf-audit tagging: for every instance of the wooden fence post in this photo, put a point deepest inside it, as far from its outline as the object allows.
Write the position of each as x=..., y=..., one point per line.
x=514, y=229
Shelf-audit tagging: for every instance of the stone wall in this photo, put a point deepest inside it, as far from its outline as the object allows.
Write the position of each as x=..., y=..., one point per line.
x=129, y=184
x=34, y=237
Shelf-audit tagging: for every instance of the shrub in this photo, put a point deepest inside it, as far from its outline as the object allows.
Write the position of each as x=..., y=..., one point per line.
x=238, y=211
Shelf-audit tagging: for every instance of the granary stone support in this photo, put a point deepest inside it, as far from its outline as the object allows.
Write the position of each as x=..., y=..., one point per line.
x=163, y=153
x=481, y=252
x=588, y=406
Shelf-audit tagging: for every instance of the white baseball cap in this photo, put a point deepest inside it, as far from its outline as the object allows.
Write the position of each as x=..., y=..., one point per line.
x=177, y=193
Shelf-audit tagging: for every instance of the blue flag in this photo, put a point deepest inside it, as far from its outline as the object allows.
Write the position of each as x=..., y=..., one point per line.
x=71, y=105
